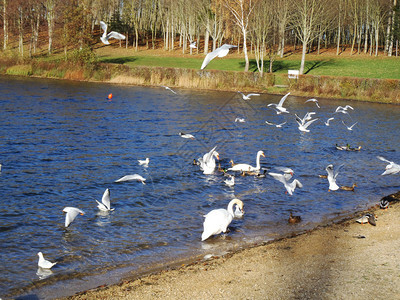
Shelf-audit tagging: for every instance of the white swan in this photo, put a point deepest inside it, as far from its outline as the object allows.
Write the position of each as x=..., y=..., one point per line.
x=218, y=220
x=332, y=177
x=105, y=204
x=43, y=263
x=72, y=212
x=105, y=37
x=207, y=163
x=247, y=167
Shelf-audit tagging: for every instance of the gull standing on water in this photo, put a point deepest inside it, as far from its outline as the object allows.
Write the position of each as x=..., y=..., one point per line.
x=43, y=263
x=219, y=52
x=186, y=135
x=279, y=108
x=105, y=37
x=391, y=168
x=145, y=162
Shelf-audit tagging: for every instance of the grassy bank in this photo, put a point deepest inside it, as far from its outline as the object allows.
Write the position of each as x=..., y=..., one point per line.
x=127, y=70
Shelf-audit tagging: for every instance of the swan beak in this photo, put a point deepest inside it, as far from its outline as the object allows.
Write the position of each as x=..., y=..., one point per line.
x=218, y=157
x=81, y=214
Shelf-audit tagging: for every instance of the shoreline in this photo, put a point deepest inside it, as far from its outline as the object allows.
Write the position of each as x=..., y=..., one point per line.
x=343, y=260
x=330, y=87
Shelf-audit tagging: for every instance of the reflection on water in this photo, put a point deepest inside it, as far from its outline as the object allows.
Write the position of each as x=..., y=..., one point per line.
x=63, y=144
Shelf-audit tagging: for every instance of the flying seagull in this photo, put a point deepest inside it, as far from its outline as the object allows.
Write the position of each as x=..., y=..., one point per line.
x=313, y=100
x=136, y=177
x=279, y=108
x=219, y=52
x=349, y=127
x=193, y=45
x=105, y=204
x=391, y=168
x=168, y=88
x=247, y=97
x=72, y=213
x=105, y=37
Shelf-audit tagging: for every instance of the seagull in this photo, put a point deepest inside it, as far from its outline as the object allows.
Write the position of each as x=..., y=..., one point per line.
x=279, y=108
x=43, y=263
x=247, y=97
x=332, y=177
x=303, y=127
x=219, y=52
x=193, y=45
x=313, y=100
x=344, y=108
x=391, y=168
x=327, y=121
x=349, y=127
x=169, y=89
x=284, y=178
x=367, y=218
x=240, y=120
x=105, y=204
x=276, y=125
x=231, y=181
x=186, y=135
x=105, y=37
x=144, y=162
x=136, y=177
x=307, y=117
x=72, y=212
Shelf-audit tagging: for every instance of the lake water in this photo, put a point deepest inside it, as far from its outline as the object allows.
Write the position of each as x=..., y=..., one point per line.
x=64, y=143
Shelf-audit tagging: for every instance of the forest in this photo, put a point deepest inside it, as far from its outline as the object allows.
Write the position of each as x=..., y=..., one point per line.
x=267, y=27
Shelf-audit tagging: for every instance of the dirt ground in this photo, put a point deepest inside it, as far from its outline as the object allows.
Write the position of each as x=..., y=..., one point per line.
x=341, y=261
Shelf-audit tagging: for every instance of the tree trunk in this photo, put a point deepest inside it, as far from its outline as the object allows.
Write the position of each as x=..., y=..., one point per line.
x=5, y=25
x=246, y=57
x=50, y=23
x=303, y=58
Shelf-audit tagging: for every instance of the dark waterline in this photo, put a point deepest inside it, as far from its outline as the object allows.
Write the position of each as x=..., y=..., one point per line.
x=64, y=143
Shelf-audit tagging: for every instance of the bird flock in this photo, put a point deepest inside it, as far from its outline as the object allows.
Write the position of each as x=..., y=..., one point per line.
x=217, y=221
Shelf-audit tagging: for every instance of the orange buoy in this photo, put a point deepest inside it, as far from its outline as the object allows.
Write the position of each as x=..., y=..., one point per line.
x=110, y=96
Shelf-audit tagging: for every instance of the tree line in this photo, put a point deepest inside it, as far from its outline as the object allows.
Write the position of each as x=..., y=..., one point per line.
x=264, y=26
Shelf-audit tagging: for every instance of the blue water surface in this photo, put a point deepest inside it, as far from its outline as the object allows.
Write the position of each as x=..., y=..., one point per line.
x=63, y=143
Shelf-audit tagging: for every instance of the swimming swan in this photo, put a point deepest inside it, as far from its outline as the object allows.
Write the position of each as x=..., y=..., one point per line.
x=247, y=167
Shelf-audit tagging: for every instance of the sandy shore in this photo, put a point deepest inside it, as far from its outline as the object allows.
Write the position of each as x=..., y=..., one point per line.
x=341, y=261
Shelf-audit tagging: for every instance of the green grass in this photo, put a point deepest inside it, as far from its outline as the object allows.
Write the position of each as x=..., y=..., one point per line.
x=365, y=67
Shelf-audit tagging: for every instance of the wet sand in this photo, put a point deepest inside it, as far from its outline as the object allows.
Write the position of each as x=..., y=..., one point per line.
x=341, y=261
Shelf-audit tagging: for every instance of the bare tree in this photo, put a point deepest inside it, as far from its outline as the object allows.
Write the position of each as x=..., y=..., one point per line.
x=50, y=15
x=306, y=20
x=241, y=11
x=5, y=24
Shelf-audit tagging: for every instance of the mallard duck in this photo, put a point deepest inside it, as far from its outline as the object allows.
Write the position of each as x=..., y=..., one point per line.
x=294, y=219
x=354, y=149
x=348, y=188
x=341, y=148
x=323, y=176
x=368, y=218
